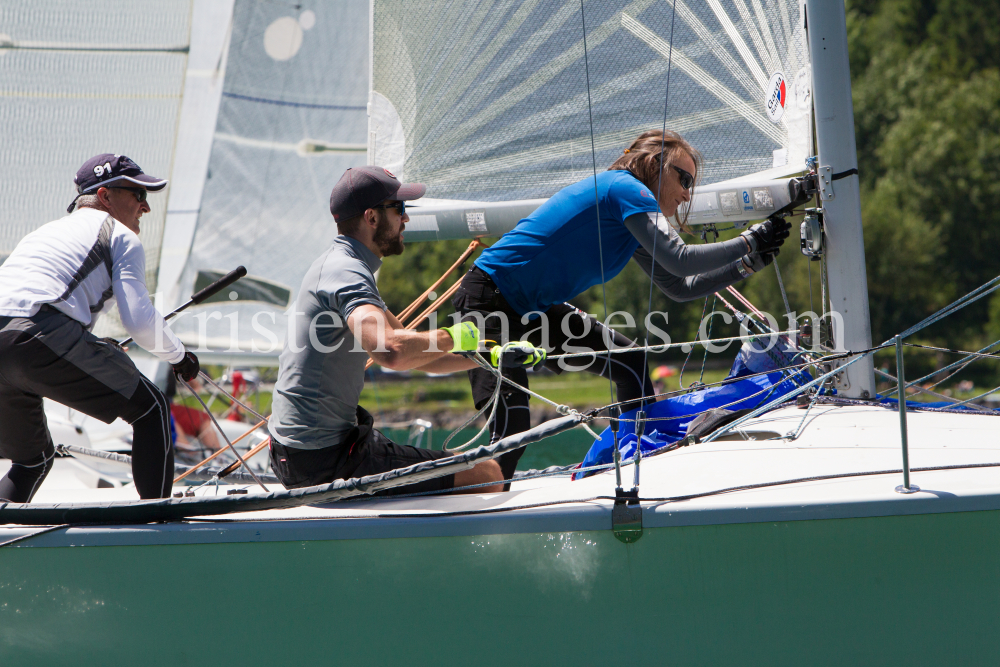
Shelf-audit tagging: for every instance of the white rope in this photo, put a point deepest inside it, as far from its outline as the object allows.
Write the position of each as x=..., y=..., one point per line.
x=666, y=346
x=501, y=379
x=781, y=284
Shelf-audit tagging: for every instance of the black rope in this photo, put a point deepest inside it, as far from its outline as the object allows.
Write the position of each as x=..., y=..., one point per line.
x=844, y=174
x=49, y=529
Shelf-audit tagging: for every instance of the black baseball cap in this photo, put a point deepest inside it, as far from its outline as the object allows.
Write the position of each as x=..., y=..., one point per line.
x=361, y=188
x=107, y=168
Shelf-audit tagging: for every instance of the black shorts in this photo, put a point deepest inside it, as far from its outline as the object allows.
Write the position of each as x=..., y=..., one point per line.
x=365, y=451
x=81, y=372
x=569, y=330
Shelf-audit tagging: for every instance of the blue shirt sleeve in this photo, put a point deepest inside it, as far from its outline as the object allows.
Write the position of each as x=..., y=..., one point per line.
x=628, y=196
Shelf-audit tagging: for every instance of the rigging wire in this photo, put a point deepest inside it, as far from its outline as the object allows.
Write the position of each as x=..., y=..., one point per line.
x=223, y=433
x=597, y=201
x=659, y=189
x=781, y=284
x=962, y=364
x=812, y=309
x=680, y=379
x=704, y=357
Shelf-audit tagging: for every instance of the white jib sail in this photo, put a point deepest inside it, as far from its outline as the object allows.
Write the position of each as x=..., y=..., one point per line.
x=292, y=118
x=488, y=101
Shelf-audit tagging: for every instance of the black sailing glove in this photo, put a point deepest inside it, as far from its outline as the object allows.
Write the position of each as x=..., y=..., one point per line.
x=755, y=262
x=767, y=236
x=187, y=368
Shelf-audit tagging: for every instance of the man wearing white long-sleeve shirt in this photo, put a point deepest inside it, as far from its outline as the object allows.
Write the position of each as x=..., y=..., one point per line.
x=53, y=287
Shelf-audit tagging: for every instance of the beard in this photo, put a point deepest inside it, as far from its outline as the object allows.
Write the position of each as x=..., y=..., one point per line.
x=388, y=241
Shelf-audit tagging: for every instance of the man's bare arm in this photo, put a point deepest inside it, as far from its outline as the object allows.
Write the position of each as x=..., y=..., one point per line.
x=390, y=345
x=449, y=363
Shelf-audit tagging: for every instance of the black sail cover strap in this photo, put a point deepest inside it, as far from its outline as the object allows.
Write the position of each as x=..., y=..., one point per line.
x=844, y=174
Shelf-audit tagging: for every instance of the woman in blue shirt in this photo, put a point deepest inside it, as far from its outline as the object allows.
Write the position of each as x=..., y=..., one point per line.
x=582, y=236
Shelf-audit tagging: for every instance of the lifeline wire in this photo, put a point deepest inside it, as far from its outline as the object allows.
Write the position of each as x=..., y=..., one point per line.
x=968, y=400
x=961, y=365
x=563, y=409
x=924, y=390
x=662, y=347
x=954, y=306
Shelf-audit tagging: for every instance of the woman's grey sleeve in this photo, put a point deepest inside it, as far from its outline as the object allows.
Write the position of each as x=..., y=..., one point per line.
x=691, y=287
x=676, y=256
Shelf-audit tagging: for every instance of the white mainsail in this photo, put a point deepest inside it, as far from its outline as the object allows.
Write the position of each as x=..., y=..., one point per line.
x=81, y=79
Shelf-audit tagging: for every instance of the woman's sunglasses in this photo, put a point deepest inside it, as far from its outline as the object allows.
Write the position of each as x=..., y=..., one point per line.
x=687, y=180
x=400, y=207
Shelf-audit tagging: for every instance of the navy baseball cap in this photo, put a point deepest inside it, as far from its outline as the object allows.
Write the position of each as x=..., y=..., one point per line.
x=361, y=188
x=107, y=168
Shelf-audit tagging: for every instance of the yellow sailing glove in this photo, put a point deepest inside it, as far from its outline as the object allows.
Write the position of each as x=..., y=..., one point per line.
x=516, y=354
x=465, y=335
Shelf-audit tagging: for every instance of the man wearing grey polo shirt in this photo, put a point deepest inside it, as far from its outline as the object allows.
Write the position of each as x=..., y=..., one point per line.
x=319, y=433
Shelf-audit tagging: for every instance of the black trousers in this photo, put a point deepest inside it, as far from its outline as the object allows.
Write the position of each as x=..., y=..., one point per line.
x=31, y=370
x=561, y=329
x=364, y=451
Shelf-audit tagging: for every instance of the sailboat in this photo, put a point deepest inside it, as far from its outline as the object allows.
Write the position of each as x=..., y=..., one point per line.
x=783, y=538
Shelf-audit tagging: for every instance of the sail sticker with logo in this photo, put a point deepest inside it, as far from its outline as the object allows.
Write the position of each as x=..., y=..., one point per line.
x=776, y=97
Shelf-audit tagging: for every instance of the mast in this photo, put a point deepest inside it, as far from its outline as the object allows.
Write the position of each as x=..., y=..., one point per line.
x=826, y=28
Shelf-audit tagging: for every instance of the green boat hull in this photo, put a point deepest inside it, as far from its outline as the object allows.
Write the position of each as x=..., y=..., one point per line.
x=921, y=589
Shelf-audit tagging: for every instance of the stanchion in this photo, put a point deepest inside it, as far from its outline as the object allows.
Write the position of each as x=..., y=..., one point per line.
x=906, y=487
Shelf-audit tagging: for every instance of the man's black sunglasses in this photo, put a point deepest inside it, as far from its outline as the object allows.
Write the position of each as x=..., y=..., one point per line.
x=139, y=193
x=400, y=207
x=687, y=180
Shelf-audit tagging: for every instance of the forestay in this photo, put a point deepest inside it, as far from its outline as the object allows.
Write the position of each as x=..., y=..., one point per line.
x=488, y=101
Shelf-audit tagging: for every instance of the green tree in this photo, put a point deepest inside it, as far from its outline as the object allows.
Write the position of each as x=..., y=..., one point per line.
x=927, y=111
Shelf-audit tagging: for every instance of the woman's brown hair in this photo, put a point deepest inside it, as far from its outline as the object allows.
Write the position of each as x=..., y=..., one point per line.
x=642, y=159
